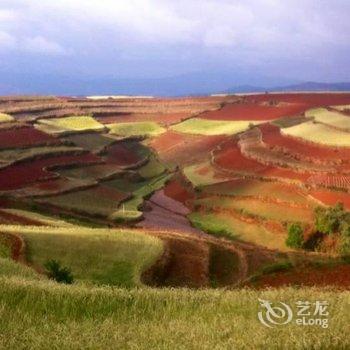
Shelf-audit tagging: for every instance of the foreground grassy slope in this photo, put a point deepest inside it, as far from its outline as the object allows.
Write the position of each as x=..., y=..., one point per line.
x=41, y=314
x=102, y=256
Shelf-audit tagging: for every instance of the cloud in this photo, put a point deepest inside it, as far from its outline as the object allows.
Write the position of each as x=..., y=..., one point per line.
x=101, y=33
x=42, y=45
x=7, y=41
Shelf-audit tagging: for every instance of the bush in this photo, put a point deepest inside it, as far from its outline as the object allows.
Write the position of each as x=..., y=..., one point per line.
x=295, y=237
x=329, y=220
x=58, y=273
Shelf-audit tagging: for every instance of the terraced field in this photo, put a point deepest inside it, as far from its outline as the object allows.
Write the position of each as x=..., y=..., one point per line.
x=121, y=196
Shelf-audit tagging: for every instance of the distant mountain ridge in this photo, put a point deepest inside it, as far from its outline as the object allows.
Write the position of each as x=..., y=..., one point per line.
x=307, y=86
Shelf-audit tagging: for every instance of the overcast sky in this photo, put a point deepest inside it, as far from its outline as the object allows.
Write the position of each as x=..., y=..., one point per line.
x=292, y=39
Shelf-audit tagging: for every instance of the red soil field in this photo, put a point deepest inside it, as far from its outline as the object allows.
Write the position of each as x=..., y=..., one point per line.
x=163, y=119
x=337, y=276
x=252, y=111
x=331, y=197
x=230, y=158
x=24, y=137
x=272, y=136
x=185, y=148
x=308, y=99
x=20, y=175
x=175, y=190
x=337, y=181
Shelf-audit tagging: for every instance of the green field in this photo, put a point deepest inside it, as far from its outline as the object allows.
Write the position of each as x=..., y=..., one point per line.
x=90, y=172
x=223, y=224
x=130, y=209
x=101, y=256
x=98, y=201
x=153, y=168
x=93, y=142
x=208, y=127
x=5, y=118
x=136, y=129
x=69, y=124
x=319, y=133
x=41, y=218
x=325, y=116
x=203, y=174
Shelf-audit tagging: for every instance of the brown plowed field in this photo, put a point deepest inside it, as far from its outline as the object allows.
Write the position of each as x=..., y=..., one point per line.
x=308, y=99
x=253, y=111
x=185, y=148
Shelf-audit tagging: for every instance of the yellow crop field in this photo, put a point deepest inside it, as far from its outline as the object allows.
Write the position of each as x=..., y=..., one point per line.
x=332, y=118
x=208, y=127
x=319, y=133
x=76, y=123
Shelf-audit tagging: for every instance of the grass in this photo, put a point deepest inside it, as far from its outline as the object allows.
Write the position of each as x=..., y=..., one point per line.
x=258, y=208
x=332, y=118
x=319, y=133
x=136, y=129
x=9, y=268
x=212, y=127
x=42, y=314
x=5, y=250
x=62, y=125
x=101, y=256
x=5, y=118
x=222, y=224
x=27, y=153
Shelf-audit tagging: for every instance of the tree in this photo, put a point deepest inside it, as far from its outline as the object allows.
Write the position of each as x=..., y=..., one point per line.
x=295, y=237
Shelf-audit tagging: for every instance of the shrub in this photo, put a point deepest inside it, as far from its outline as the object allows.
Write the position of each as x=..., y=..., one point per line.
x=60, y=274
x=329, y=220
x=295, y=237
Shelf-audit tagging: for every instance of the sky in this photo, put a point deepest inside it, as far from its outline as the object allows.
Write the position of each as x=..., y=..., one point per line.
x=65, y=43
